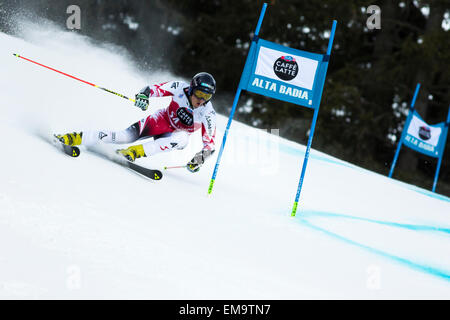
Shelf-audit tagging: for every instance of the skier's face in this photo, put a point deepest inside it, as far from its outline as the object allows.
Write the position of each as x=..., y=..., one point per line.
x=197, y=102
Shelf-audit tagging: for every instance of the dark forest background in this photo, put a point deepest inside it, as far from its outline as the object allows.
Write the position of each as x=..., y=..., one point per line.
x=371, y=77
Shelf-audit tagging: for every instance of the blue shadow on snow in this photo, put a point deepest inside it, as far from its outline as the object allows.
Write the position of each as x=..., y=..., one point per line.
x=443, y=274
x=386, y=223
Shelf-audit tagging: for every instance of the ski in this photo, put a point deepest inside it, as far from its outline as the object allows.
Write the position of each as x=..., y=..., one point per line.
x=107, y=153
x=74, y=152
x=71, y=151
x=149, y=173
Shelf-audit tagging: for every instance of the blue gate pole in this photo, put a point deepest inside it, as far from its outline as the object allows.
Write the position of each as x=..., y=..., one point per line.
x=411, y=109
x=313, y=125
x=442, y=151
x=236, y=97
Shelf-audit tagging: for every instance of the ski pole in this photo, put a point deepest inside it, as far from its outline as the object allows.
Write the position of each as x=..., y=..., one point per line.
x=68, y=75
x=175, y=167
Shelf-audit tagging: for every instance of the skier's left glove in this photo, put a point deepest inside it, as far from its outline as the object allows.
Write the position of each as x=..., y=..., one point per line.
x=141, y=101
x=198, y=160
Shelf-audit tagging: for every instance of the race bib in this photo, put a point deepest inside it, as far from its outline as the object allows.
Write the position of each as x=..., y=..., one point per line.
x=186, y=116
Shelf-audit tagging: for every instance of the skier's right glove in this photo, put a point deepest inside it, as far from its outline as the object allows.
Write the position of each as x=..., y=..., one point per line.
x=195, y=164
x=198, y=160
x=141, y=101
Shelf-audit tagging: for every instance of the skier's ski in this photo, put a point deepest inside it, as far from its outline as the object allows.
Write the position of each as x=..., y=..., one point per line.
x=106, y=152
x=74, y=151
x=149, y=173
x=69, y=150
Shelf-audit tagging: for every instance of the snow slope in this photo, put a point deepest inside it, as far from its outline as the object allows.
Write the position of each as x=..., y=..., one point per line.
x=89, y=228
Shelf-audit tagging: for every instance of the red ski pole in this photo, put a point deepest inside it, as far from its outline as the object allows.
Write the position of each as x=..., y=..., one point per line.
x=175, y=167
x=68, y=75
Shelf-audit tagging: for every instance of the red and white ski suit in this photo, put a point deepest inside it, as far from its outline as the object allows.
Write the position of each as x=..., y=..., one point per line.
x=170, y=127
x=178, y=120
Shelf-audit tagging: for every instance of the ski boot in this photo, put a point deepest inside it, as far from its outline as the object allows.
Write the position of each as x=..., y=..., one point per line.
x=132, y=153
x=70, y=139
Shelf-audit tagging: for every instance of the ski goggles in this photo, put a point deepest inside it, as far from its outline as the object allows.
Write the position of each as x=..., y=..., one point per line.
x=202, y=95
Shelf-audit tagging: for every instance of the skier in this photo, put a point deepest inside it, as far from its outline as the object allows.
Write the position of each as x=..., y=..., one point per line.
x=189, y=110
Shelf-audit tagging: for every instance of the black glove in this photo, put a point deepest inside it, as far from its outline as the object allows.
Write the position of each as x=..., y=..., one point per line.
x=198, y=160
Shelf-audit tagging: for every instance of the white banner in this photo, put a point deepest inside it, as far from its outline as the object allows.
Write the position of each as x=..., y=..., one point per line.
x=295, y=70
x=422, y=131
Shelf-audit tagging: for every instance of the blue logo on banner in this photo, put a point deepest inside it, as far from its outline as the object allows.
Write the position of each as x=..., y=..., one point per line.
x=285, y=68
x=424, y=133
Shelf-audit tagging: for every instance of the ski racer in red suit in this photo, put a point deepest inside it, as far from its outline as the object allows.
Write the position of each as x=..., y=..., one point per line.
x=189, y=110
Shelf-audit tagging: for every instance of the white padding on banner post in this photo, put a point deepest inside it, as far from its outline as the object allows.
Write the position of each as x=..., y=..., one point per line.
x=294, y=70
x=422, y=131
